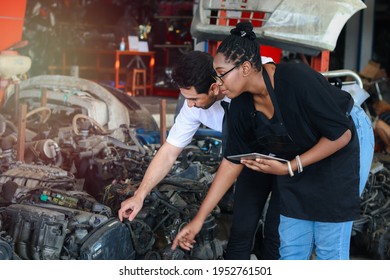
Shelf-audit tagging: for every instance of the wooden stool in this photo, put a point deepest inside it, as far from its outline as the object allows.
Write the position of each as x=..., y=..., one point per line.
x=139, y=81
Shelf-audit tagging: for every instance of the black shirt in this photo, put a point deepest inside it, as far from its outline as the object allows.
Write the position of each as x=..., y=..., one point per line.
x=311, y=108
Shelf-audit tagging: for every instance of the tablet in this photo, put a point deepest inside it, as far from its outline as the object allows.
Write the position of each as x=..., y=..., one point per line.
x=254, y=156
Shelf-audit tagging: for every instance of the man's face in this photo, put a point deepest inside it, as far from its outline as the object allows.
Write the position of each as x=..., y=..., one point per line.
x=198, y=100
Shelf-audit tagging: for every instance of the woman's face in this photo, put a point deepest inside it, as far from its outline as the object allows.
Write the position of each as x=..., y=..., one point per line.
x=228, y=76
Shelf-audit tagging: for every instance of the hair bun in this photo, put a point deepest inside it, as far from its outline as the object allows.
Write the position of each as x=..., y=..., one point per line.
x=244, y=29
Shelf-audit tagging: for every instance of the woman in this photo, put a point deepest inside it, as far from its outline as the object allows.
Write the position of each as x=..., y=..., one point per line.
x=294, y=113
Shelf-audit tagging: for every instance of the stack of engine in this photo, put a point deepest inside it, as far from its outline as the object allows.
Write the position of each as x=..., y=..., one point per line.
x=44, y=216
x=83, y=156
x=371, y=234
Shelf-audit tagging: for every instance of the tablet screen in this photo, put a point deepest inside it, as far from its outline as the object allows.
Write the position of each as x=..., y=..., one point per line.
x=254, y=156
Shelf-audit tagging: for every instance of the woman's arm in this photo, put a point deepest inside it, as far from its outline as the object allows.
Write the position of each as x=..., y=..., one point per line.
x=226, y=175
x=323, y=149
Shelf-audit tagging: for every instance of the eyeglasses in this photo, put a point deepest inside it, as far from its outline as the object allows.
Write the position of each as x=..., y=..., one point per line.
x=219, y=78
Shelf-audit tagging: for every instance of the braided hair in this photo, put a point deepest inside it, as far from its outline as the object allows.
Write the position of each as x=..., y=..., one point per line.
x=240, y=46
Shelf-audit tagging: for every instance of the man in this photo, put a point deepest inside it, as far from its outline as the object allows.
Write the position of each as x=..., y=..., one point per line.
x=194, y=74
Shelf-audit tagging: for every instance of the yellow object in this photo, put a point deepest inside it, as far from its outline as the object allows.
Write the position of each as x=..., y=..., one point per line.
x=13, y=64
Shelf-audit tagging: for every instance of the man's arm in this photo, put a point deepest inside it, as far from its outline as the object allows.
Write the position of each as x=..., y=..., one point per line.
x=157, y=170
x=179, y=136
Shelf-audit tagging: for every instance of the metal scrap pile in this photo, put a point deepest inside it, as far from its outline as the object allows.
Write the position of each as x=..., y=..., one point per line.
x=82, y=157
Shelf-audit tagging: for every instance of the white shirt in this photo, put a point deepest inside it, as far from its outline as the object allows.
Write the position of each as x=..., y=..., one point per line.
x=189, y=119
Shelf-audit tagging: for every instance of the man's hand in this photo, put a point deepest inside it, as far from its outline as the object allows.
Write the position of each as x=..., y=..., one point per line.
x=130, y=208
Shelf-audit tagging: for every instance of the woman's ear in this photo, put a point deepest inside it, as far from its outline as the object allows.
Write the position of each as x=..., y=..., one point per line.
x=246, y=68
x=214, y=89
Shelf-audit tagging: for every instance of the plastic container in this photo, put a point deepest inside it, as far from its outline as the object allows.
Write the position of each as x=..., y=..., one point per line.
x=122, y=45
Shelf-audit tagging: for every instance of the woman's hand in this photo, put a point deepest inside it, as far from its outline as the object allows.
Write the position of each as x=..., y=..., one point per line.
x=268, y=166
x=186, y=237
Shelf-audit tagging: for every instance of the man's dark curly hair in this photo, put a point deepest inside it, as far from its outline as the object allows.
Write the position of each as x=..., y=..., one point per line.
x=194, y=68
x=241, y=46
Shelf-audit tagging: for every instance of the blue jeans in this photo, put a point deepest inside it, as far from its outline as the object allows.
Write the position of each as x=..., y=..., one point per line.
x=366, y=141
x=331, y=240
x=299, y=237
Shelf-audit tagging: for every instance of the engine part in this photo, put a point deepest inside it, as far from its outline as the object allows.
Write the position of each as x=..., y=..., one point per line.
x=207, y=246
x=371, y=235
x=13, y=64
x=38, y=233
x=45, y=147
x=31, y=176
x=45, y=151
x=111, y=241
x=142, y=236
x=6, y=247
